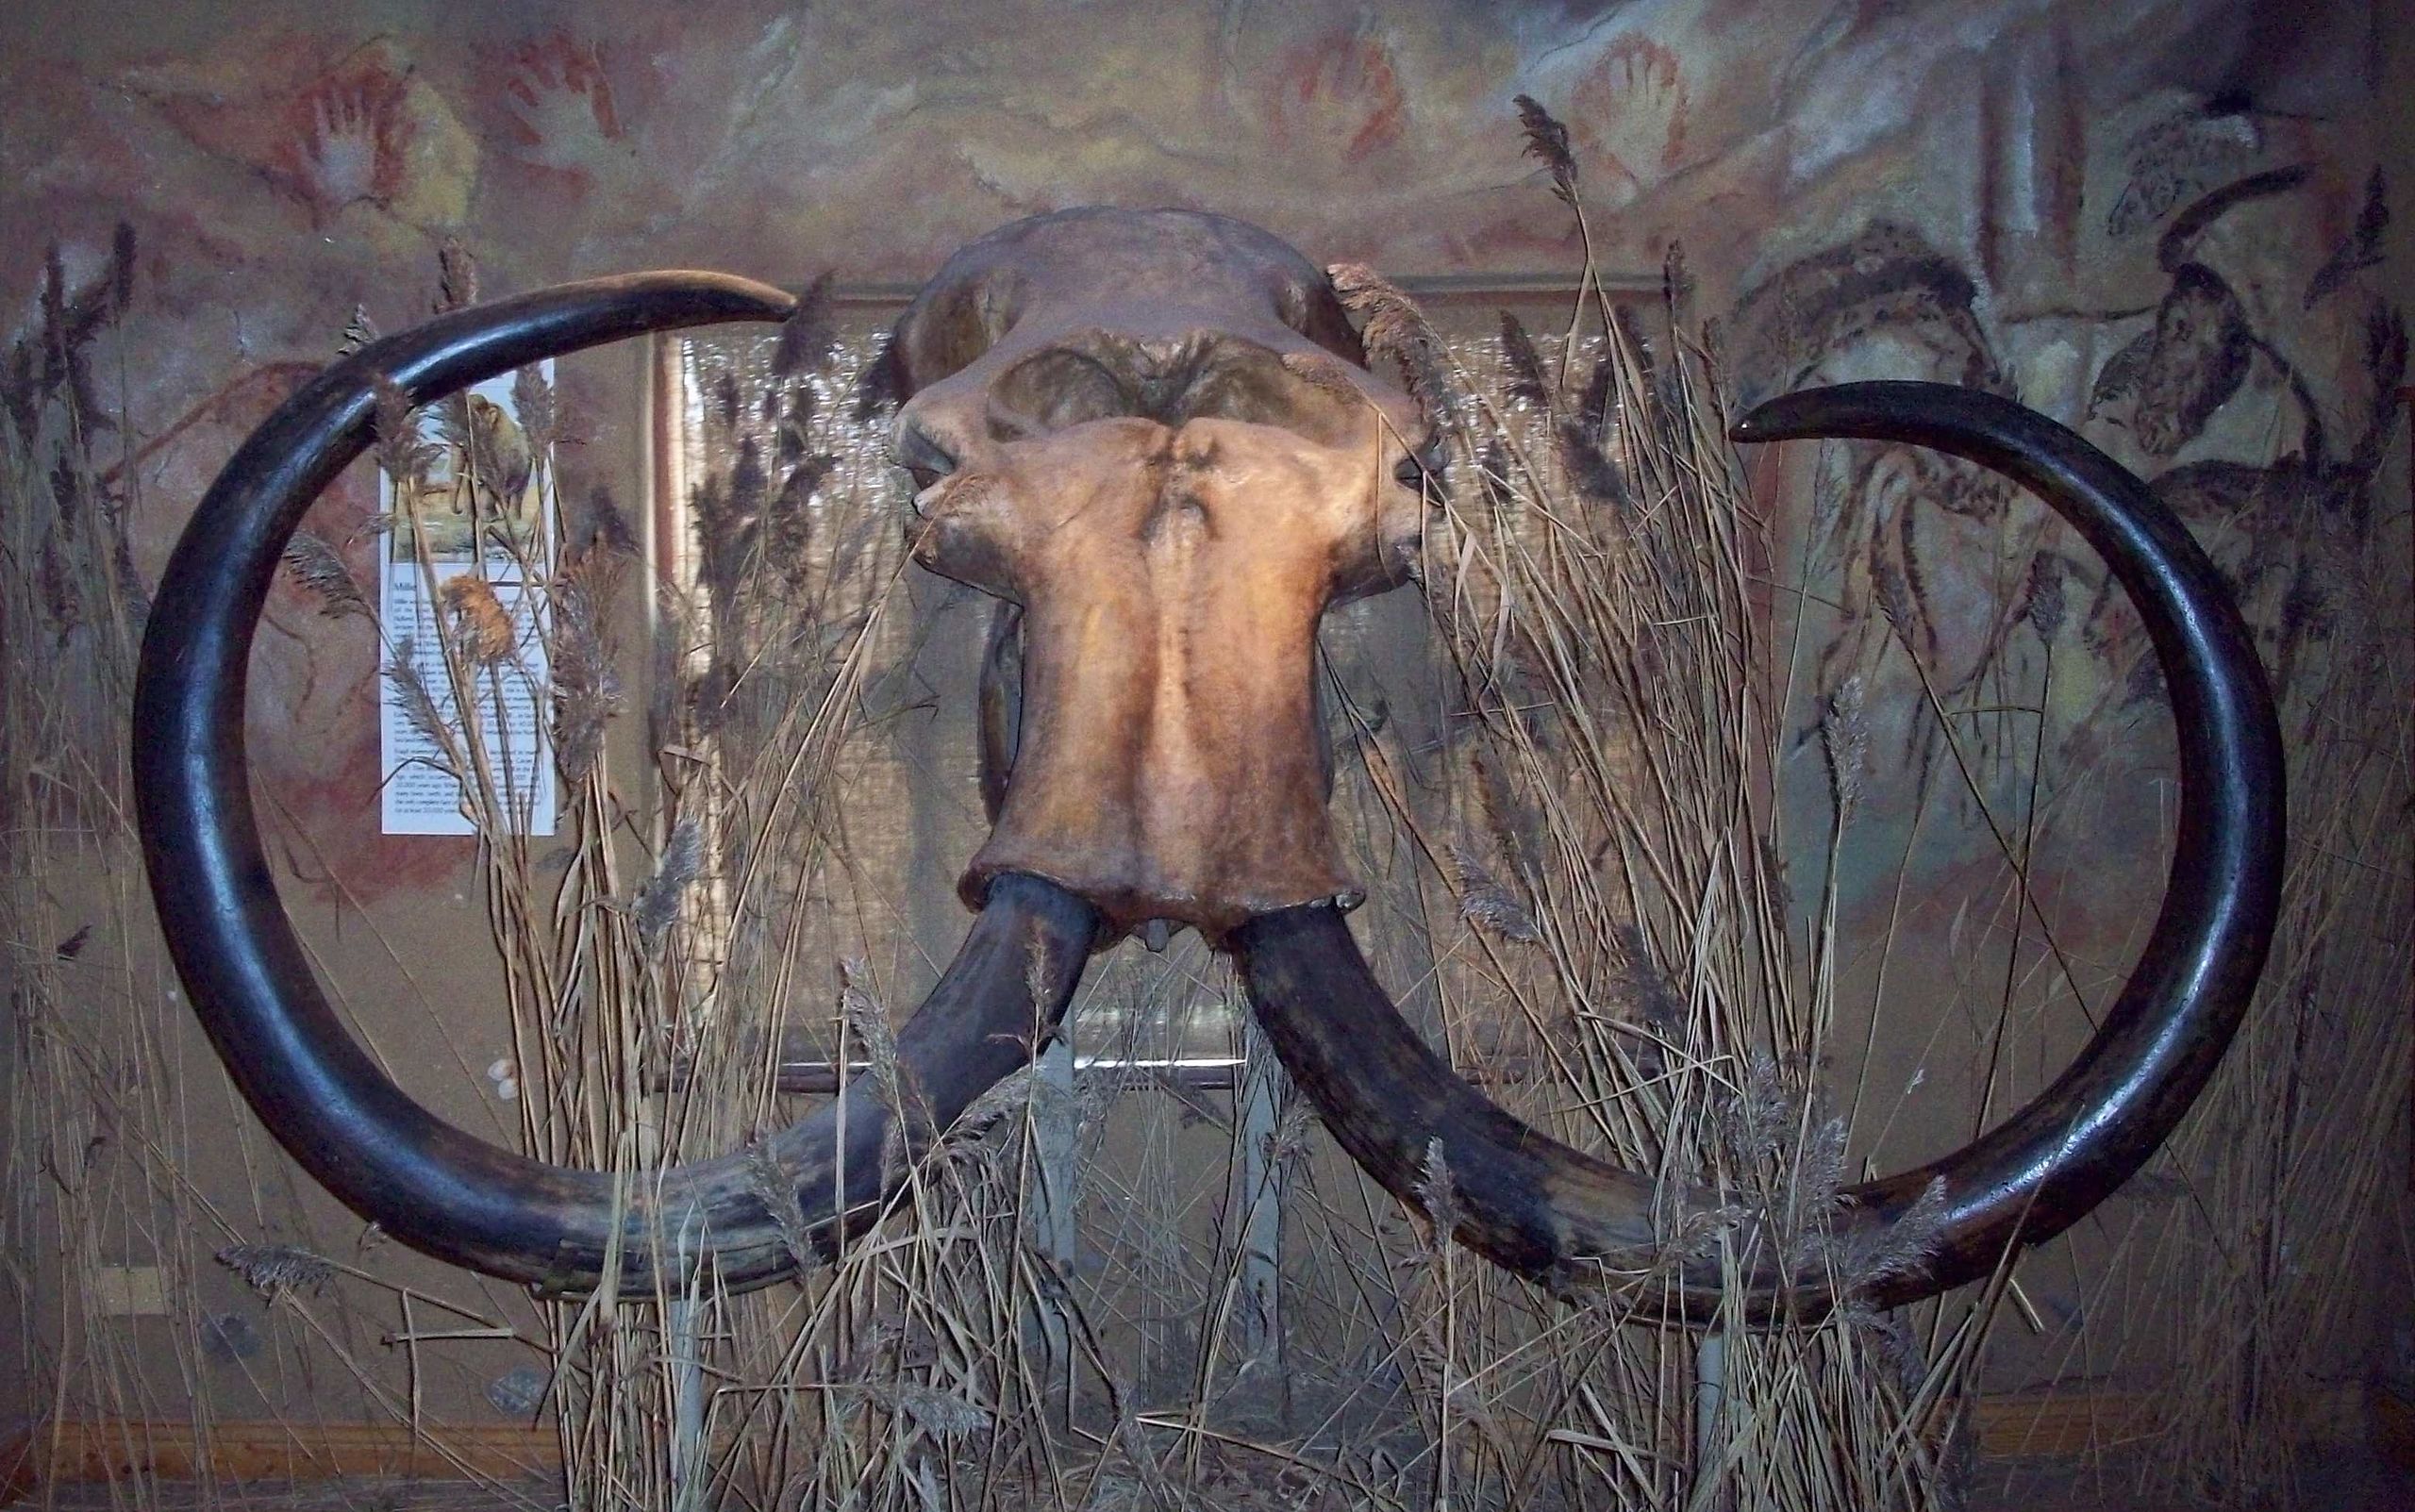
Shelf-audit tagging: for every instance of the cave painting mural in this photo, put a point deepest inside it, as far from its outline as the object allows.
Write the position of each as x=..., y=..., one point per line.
x=1154, y=434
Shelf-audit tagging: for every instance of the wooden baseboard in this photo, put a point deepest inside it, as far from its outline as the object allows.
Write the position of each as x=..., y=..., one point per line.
x=113, y=1450
x=2045, y=1423
x=2083, y=1422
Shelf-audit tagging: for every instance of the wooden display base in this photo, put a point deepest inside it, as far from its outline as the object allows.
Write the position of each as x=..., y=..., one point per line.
x=118, y=1450
x=2048, y=1424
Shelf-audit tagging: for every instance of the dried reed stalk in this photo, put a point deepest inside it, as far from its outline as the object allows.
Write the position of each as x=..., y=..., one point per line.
x=1606, y=909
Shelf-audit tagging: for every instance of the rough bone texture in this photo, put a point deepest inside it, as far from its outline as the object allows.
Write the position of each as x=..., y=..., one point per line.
x=1149, y=429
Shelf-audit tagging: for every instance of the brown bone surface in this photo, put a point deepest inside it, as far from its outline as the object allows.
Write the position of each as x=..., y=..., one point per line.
x=1151, y=432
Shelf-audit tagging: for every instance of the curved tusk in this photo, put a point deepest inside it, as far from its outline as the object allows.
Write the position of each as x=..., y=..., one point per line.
x=1555, y=1214
x=425, y=1182
x=1526, y=1201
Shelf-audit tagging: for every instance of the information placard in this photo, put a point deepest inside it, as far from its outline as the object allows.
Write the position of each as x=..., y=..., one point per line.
x=437, y=578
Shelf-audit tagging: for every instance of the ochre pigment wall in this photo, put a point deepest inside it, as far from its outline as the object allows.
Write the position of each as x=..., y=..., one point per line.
x=2153, y=221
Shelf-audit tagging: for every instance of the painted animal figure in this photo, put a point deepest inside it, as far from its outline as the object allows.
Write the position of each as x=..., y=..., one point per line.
x=1153, y=432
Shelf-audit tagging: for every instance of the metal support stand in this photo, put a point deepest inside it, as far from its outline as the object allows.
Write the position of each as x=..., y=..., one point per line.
x=1258, y=1175
x=1053, y=1235
x=690, y=1467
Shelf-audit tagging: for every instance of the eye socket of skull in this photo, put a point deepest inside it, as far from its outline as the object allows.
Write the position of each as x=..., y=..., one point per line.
x=924, y=455
x=1244, y=381
x=967, y=530
x=1422, y=465
x=1054, y=391
x=1392, y=501
x=1098, y=374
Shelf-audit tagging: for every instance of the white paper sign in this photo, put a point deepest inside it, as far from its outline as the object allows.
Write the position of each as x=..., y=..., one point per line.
x=509, y=682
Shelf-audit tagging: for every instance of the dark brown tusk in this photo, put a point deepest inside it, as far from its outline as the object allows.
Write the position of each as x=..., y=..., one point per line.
x=425, y=1182
x=1526, y=1201
x=1553, y=1213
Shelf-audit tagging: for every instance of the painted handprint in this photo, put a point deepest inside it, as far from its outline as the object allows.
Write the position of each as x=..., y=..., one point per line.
x=1629, y=115
x=560, y=103
x=1339, y=89
x=327, y=135
x=345, y=156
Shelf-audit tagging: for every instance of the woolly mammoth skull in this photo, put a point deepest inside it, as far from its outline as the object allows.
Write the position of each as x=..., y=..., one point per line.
x=1150, y=433
x=1152, y=436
